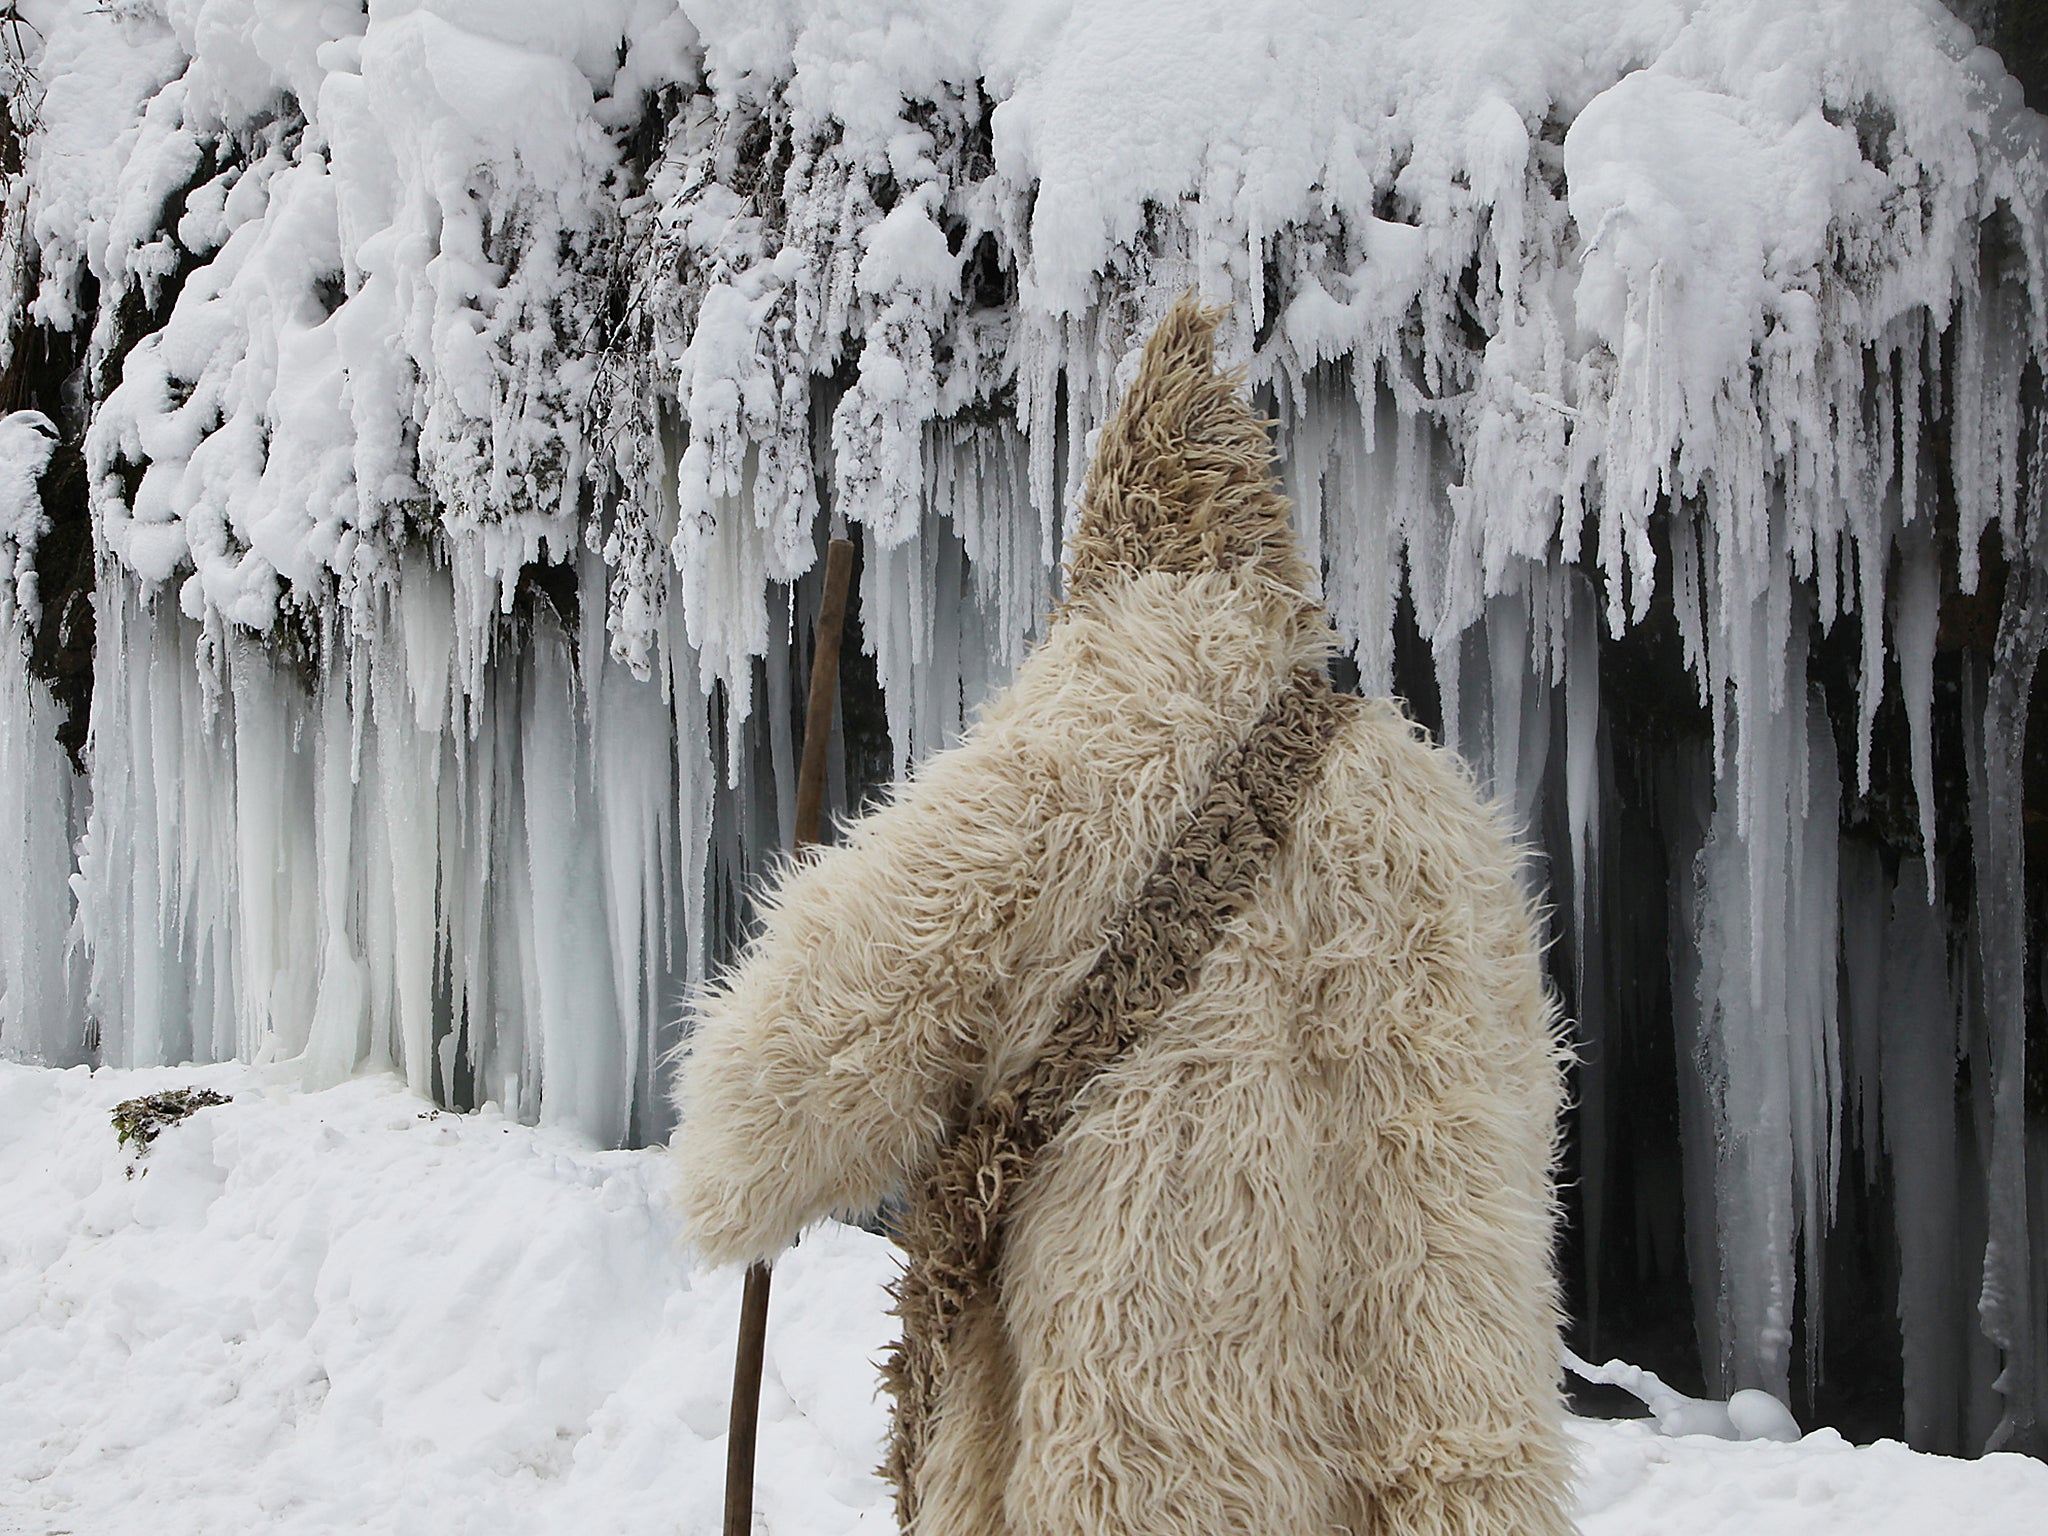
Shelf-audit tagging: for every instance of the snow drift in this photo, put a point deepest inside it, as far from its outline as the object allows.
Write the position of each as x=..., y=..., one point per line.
x=339, y=1311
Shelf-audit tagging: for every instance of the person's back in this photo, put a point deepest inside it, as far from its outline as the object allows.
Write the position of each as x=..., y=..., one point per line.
x=1286, y=1265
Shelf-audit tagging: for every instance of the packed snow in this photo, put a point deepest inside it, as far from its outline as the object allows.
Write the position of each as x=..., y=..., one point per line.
x=346, y=1311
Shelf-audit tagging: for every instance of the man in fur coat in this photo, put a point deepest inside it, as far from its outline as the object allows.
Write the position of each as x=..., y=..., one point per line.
x=1248, y=1213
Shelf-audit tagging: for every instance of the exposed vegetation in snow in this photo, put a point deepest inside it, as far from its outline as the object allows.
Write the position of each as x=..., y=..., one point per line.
x=139, y=1121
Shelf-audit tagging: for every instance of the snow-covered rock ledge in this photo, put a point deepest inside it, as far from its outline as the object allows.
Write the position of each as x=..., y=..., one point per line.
x=343, y=1312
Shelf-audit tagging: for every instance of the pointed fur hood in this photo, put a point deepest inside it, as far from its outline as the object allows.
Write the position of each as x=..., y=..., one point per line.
x=1182, y=479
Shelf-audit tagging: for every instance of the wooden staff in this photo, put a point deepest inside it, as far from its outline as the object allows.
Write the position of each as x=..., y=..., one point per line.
x=810, y=806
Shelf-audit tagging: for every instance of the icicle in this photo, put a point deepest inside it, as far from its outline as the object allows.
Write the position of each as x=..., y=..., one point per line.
x=338, y=1035
x=1517, y=704
x=1866, y=899
x=585, y=1082
x=1766, y=934
x=158, y=880
x=2007, y=1304
x=633, y=802
x=1916, y=618
x=723, y=596
x=277, y=928
x=1695, y=929
x=892, y=602
x=782, y=746
x=1873, y=551
x=1918, y=1080
x=1812, y=1014
x=696, y=784
x=1582, y=738
x=41, y=1001
x=977, y=481
x=1364, y=545
x=464, y=943
x=408, y=762
x=1985, y=419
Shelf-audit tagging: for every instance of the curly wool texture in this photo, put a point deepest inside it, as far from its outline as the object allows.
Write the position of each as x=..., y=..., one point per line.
x=960, y=1206
x=1287, y=1265
x=1182, y=475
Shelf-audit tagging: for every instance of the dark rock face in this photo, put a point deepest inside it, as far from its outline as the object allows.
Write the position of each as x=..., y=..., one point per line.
x=2018, y=30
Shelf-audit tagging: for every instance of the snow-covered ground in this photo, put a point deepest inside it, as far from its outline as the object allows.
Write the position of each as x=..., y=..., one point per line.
x=345, y=1312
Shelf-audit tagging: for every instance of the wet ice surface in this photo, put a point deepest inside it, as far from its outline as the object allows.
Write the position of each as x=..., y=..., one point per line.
x=342, y=1311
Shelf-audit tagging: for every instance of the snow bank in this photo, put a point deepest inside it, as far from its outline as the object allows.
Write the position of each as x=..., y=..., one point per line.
x=346, y=1312
x=342, y=1311
x=1632, y=1480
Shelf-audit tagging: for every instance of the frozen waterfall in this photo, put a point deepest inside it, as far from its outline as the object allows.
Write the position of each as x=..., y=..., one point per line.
x=426, y=417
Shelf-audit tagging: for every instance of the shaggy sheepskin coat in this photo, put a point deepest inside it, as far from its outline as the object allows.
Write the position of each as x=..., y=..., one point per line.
x=1287, y=1267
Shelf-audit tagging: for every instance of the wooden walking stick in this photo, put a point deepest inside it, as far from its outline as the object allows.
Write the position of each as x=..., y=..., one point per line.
x=810, y=805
